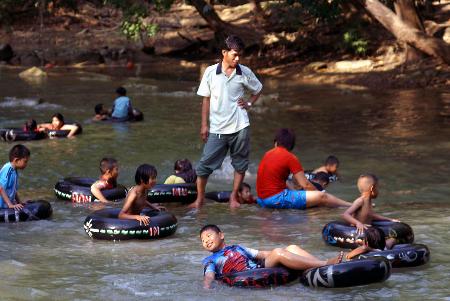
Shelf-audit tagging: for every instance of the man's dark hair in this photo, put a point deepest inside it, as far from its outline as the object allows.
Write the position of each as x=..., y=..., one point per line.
x=233, y=43
x=285, y=138
x=121, y=91
x=98, y=108
x=107, y=164
x=322, y=176
x=144, y=173
x=375, y=238
x=210, y=227
x=19, y=151
x=332, y=160
x=244, y=185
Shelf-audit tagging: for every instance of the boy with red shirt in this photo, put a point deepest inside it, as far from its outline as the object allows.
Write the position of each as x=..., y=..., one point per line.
x=274, y=170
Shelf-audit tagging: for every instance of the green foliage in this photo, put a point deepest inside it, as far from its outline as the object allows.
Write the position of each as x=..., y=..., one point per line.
x=134, y=13
x=133, y=30
x=354, y=43
x=325, y=10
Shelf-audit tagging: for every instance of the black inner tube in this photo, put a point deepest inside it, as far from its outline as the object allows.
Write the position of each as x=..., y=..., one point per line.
x=260, y=278
x=78, y=190
x=33, y=210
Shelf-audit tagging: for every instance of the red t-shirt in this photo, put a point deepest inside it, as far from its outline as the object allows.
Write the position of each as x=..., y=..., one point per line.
x=274, y=170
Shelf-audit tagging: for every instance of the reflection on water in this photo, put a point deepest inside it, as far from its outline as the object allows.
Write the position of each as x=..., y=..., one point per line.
x=401, y=136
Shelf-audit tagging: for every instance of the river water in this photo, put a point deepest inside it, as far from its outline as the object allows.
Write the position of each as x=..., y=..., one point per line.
x=401, y=136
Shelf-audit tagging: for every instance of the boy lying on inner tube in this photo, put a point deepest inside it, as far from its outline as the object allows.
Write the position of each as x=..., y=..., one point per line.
x=235, y=258
x=360, y=213
x=145, y=179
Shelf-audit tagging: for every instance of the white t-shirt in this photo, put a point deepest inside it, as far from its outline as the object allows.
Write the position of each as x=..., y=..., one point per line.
x=225, y=116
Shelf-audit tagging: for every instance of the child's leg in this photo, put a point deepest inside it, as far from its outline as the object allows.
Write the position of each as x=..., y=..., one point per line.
x=299, y=251
x=320, y=198
x=291, y=260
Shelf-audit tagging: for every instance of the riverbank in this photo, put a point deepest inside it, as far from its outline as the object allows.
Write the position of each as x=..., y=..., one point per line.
x=90, y=39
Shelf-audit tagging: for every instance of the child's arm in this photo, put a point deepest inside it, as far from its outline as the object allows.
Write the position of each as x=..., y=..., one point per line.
x=348, y=215
x=43, y=126
x=70, y=127
x=208, y=279
x=96, y=191
x=5, y=197
x=302, y=181
x=131, y=197
x=358, y=251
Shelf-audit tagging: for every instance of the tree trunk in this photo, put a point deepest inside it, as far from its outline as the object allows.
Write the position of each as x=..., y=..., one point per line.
x=414, y=37
x=407, y=12
x=221, y=28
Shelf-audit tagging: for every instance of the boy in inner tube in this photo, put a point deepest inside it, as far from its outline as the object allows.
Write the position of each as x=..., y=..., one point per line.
x=360, y=213
x=235, y=258
x=374, y=241
x=108, y=179
x=136, y=200
x=9, y=177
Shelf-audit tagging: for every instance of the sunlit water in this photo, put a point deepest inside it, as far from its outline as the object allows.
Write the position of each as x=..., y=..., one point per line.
x=401, y=136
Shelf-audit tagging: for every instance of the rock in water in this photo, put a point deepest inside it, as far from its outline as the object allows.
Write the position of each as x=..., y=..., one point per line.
x=32, y=72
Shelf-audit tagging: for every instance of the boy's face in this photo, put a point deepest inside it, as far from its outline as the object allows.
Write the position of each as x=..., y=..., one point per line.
x=331, y=168
x=374, y=191
x=114, y=172
x=231, y=57
x=211, y=240
x=151, y=182
x=56, y=123
x=20, y=163
x=245, y=195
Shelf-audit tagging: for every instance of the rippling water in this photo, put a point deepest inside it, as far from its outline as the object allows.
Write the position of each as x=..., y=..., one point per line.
x=401, y=136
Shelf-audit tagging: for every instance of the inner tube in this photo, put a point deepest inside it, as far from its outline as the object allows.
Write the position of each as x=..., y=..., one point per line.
x=78, y=190
x=219, y=196
x=105, y=224
x=350, y=273
x=172, y=193
x=137, y=116
x=16, y=134
x=260, y=278
x=32, y=210
x=341, y=234
x=404, y=255
x=310, y=176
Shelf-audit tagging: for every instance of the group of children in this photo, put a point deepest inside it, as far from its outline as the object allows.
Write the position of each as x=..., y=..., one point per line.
x=120, y=111
x=57, y=124
x=235, y=258
x=225, y=259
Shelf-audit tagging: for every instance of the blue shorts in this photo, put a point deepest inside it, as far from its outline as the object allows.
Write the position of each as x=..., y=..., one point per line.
x=287, y=199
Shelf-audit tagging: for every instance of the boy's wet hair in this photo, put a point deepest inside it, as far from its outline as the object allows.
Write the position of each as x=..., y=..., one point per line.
x=19, y=151
x=182, y=165
x=144, y=173
x=121, y=91
x=58, y=116
x=373, y=178
x=210, y=227
x=98, y=108
x=375, y=238
x=286, y=138
x=332, y=160
x=233, y=42
x=244, y=185
x=107, y=164
x=322, y=177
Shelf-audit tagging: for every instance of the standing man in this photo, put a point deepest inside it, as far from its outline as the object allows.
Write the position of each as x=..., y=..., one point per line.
x=225, y=124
